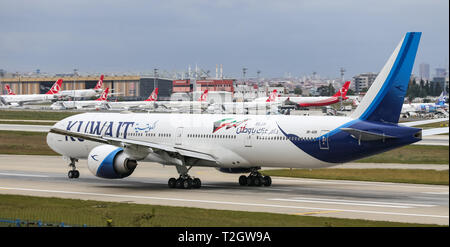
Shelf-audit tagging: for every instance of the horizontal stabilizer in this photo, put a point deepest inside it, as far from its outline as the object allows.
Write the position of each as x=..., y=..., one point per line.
x=362, y=135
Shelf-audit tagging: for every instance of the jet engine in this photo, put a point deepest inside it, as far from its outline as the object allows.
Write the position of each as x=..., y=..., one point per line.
x=108, y=161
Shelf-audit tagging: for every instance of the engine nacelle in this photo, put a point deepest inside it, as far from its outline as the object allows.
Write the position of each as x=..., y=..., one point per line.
x=108, y=161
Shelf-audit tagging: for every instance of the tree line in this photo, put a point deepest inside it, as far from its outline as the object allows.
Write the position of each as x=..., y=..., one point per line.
x=423, y=89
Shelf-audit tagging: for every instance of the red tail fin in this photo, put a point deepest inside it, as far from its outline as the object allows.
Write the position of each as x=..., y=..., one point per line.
x=8, y=89
x=99, y=83
x=272, y=96
x=203, y=96
x=104, y=95
x=56, y=87
x=153, y=96
x=343, y=91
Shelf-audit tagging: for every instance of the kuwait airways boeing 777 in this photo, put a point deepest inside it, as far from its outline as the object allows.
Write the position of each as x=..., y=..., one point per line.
x=114, y=143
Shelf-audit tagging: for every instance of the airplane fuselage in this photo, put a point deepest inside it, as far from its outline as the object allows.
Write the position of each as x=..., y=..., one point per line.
x=238, y=140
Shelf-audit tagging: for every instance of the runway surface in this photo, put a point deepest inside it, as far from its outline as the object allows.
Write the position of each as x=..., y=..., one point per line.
x=47, y=176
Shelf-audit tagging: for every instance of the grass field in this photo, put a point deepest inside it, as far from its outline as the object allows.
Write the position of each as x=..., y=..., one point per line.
x=27, y=122
x=412, y=154
x=95, y=213
x=35, y=115
x=22, y=142
x=416, y=176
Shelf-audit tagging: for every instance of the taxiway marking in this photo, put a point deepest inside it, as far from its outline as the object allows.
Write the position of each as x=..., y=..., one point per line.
x=352, y=202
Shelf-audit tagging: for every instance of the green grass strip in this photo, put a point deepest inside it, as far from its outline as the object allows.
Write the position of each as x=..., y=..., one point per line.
x=415, y=176
x=412, y=154
x=24, y=142
x=35, y=115
x=96, y=213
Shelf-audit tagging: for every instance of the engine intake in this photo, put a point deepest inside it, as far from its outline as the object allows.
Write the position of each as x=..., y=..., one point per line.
x=108, y=161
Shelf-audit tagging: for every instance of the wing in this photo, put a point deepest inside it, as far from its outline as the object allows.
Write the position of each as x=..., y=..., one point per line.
x=139, y=148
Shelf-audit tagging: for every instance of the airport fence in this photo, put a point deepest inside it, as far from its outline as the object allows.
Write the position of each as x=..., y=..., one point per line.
x=42, y=217
x=33, y=223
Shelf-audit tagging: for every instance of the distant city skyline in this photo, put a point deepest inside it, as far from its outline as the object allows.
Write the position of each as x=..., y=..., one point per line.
x=274, y=37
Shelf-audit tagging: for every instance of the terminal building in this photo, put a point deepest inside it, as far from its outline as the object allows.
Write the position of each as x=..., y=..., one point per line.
x=124, y=87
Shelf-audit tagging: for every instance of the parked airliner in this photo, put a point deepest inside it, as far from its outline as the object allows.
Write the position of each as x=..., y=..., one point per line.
x=100, y=103
x=149, y=103
x=300, y=102
x=270, y=106
x=84, y=93
x=12, y=99
x=414, y=109
x=114, y=143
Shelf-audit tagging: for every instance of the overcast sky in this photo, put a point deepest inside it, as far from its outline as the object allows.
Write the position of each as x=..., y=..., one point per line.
x=272, y=36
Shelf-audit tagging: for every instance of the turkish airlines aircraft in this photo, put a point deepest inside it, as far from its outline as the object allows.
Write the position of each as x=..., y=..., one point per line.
x=201, y=104
x=84, y=93
x=19, y=100
x=114, y=143
x=100, y=103
x=126, y=105
x=270, y=106
x=315, y=101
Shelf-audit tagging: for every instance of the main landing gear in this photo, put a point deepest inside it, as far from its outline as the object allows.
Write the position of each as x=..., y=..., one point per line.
x=184, y=181
x=73, y=173
x=255, y=179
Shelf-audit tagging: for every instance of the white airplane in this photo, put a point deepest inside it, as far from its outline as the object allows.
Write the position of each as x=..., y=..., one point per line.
x=269, y=106
x=201, y=104
x=100, y=103
x=114, y=143
x=84, y=93
x=414, y=109
x=149, y=103
x=18, y=100
x=300, y=102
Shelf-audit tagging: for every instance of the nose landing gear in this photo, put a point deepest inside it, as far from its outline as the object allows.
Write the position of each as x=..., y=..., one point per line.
x=73, y=173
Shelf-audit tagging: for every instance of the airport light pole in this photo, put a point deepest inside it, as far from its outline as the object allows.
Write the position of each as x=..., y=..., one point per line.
x=155, y=73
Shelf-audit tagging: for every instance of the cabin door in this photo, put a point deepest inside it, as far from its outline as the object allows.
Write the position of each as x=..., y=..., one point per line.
x=179, y=136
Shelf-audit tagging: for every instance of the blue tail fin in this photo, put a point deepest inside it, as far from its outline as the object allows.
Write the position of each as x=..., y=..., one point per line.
x=383, y=102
